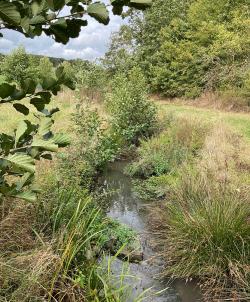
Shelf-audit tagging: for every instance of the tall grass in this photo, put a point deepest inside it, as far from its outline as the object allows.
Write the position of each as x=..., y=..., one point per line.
x=205, y=228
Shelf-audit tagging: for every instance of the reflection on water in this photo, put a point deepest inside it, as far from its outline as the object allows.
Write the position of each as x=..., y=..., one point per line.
x=130, y=210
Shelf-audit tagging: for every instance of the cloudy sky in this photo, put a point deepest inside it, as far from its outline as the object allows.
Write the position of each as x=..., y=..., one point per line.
x=91, y=44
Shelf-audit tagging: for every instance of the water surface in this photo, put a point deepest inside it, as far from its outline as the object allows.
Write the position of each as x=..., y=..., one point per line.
x=127, y=208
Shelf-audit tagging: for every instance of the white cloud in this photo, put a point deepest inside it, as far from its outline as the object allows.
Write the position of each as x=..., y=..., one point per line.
x=91, y=43
x=5, y=44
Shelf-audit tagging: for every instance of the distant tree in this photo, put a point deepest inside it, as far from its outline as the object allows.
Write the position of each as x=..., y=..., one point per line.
x=92, y=78
x=69, y=70
x=120, y=55
x=45, y=69
x=18, y=66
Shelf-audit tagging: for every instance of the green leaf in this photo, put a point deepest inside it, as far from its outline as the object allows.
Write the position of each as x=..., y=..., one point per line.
x=22, y=161
x=59, y=29
x=27, y=195
x=61, y=139
x=45, y=126
x=38, y=103
x=9, y=13
x=21, y=129
x=99, y=12
x=56, y=4
x=38, y=6
x=45, y=145
x=37, y=20
x=48, y=83
x=6, y=90
x=21, y=108
x=25, y=180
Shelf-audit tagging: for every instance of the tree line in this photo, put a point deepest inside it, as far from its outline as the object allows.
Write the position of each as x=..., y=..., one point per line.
x=187, y=47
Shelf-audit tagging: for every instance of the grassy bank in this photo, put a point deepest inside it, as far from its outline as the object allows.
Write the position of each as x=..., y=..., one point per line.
x=239, y=121
x=198, y=166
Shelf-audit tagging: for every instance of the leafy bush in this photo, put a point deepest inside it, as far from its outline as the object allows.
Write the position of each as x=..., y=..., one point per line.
x=116, y=235
x=94, y=148
x=91, y=79
x=132, y=116
x=166, y=151
x=18, y=66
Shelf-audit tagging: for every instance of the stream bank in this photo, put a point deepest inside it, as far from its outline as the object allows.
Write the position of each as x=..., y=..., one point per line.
x=128, y=209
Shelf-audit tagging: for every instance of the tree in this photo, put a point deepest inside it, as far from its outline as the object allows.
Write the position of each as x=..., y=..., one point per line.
x=18, y=66
x=30, y=141
x=45, y=69
x=186, y=47
x=91, y=77
x=120, y=55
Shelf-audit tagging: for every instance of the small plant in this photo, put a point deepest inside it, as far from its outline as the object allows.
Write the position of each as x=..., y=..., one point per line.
x=118, y=235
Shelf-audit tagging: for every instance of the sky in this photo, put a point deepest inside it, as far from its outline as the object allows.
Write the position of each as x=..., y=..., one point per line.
x=91, y=44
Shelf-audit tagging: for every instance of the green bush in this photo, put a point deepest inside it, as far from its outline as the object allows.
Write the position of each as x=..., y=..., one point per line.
x=18, y=66
x=132, y=116
x=193, y=46
x=94, y=148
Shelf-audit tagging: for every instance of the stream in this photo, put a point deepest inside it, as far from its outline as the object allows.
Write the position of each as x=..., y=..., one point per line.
x=127, y=208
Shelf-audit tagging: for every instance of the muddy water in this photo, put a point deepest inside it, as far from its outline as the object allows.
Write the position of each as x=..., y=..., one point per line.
x=130, y=210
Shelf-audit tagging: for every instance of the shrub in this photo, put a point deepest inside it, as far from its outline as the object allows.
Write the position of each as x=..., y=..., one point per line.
x=94, y=148
x=132, y=116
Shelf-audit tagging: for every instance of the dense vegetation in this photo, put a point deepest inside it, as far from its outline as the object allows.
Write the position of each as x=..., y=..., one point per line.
x=188, y=47
x=193, y=170
x=59, y=237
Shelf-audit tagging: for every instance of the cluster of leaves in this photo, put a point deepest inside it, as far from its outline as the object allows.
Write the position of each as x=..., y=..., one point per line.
x=30, y=141
x=32, y=18
x=206, y=49
x=132, y=115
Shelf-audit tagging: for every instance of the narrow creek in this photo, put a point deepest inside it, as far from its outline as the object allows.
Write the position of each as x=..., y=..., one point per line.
x=127, y=208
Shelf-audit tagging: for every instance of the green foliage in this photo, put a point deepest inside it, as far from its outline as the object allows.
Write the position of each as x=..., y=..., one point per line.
x=117, y=235
x=132, y=116
x=32, y=18
x=91, y=79
x=208, y=235
x=45, y=69
x=196, y=46
x=30, y=141
x=19, y=66
x=120, y=57
x=154, y=187
x=95, y=147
